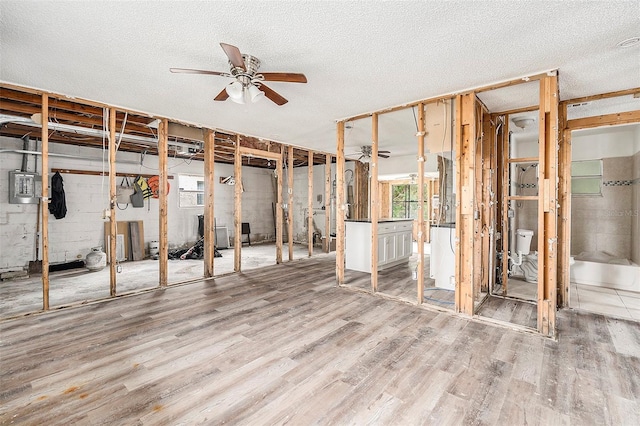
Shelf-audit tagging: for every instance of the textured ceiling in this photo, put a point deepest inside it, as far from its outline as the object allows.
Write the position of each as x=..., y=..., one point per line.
x=357, y=56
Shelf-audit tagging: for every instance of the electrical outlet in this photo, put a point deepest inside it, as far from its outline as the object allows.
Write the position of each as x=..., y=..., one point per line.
x=106, y=214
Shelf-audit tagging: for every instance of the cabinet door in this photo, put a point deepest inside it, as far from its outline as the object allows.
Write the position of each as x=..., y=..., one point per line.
x=408, y=244
x=390, y=247
x=400, y=250
x=382, y=250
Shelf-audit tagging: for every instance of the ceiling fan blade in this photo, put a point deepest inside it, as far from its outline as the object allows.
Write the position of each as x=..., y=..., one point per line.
x=383, y=155
x=284, y=76
x=222, y=96
x=384, y=152
x=234, y=55
x=191, y=71
x=269, y=93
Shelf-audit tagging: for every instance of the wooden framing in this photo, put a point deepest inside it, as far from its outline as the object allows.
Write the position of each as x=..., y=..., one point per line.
x=564, y=208
x=434, y=99
x=44, y=202
x=375, y=203
x=290, y=201
x=420, y=236
x=634, y=91
x=361, y=181
x=279, y=208
x=465, y=171
x=163, y=224
x=112, y=201
x=310, y=203
x=604, y=120
x=327, y=204
x=547, y=202
x=209, y=188
x=237, y=208
x=340, y=204
x=503, y=155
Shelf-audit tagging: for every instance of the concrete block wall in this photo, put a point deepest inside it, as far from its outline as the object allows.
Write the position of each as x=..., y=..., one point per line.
x=88, y=196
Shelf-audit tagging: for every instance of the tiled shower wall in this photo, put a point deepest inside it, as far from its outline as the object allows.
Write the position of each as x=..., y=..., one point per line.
x=605, y=223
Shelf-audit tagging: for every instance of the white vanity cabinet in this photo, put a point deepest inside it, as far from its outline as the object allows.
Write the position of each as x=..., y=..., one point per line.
x=395, y=244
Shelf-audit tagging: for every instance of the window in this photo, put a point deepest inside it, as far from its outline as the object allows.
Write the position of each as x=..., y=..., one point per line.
x=191, y=190
x=586, y=178
x=404, y=201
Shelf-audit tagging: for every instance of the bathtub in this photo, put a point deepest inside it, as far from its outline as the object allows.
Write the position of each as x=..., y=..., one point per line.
x=621, y=277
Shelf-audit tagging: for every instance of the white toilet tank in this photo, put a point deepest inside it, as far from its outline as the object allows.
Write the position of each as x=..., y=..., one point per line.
x=523, y=240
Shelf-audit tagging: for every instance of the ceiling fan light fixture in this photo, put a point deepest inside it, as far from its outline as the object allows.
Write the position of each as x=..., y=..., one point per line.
x=255, y=93
x=235, y=91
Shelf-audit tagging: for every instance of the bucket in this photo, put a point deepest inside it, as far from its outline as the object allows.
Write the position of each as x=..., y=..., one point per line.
x=154, y=248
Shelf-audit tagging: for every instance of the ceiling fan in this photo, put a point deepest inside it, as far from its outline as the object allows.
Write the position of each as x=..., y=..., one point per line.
x=249, y=84
x=365, y=154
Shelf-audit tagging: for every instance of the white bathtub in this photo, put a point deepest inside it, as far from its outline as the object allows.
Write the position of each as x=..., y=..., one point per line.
x=622, y=277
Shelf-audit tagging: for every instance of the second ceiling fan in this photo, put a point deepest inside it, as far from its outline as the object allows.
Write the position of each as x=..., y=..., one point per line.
x=249, y=84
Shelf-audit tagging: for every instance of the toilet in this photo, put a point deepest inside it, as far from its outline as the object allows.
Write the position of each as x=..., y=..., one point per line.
x=529, y=265
x=523, y=241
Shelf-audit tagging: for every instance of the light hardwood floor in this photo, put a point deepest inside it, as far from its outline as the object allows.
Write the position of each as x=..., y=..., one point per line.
x=283, y=345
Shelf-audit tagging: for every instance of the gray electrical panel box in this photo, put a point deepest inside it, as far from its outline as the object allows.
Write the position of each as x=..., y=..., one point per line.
x=24, y=187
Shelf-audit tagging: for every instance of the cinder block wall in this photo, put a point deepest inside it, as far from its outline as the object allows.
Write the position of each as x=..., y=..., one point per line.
x=87, y=196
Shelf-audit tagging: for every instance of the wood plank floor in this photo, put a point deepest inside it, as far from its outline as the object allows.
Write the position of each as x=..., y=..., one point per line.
x=283, y=345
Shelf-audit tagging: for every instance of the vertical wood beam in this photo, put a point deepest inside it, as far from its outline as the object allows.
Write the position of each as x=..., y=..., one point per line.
x=209, y=188
x=327, y=204
x=45, y=201
x=505, y=167
x=420, y=236
x=237, y=208
x=279, y=208
x=375, y=202
x=465, y=170
x=547, y=205
x=163, y=211
x=290, y=201
x=341, y=205
x=112, y=201
x=310, y=202
x=564, y=212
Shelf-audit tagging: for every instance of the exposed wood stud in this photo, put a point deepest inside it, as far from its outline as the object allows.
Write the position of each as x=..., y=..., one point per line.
x=237, y=208
x=310, y=203
x=279, y=211
x=327, y=204
x=44, y=202
x=163, y=224
x=209, y=188
x=421, y=225
x=564, y=210
x=465, y=172
x=634, y=91
x=375, y=202
x=341, y=205
x=504, y=197
x=290, y=201
x=547, y=206
x=604, y=120
x=112, y=201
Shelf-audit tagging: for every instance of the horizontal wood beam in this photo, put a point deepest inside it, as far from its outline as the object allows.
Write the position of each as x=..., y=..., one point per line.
x=251, y=152
x=604, y=120
x=100, y=173
x=634, y=91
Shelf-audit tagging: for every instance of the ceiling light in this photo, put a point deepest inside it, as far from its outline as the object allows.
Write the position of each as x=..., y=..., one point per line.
x=629, y=42
x=523, y=122
x=235, y=91
x=255, y=93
